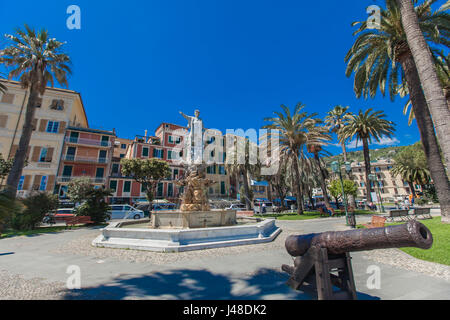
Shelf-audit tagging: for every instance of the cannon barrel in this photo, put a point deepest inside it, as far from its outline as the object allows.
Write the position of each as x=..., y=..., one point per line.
x=411, y=234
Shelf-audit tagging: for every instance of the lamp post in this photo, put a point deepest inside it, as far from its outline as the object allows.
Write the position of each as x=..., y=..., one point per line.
x=374, y=178
x=336, y=168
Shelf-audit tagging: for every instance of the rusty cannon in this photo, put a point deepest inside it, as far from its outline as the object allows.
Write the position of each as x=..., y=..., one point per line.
x=323, y=260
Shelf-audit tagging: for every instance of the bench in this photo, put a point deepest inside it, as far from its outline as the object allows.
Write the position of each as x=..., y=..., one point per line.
x=403, y=214
x=377, y=222
x=78, y=220
x=424, y=212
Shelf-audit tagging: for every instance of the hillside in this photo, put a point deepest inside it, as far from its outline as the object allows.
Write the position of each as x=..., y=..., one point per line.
x=375, y=154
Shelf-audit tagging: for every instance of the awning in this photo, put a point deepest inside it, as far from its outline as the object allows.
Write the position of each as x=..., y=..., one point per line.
x=259, y=183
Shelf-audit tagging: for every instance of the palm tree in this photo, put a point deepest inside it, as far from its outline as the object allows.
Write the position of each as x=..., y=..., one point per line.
x=297, y=130
x=382, y=57
x=366, y=126
x=315, y=150
x=429, y=80
x=336, y=119
x=36, y=60
x=3, y=88
x=410, y=165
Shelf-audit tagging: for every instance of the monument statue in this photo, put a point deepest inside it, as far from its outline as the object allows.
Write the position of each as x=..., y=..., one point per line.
x=194, y=182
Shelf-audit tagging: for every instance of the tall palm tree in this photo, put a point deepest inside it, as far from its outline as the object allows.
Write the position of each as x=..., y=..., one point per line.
x=381, y=59
x=3, y=88
x=429, y=80
x=366, y=126
x=315, y=150
x=36, y=60
x=336, y=120
x=297, y=130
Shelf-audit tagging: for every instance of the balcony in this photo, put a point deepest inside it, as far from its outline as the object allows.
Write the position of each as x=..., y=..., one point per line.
x=88, y=142
x=68, y=157
x=94, y=180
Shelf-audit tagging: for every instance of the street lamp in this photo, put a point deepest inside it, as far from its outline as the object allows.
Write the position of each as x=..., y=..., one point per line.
x=374, y=178
x=336, y=168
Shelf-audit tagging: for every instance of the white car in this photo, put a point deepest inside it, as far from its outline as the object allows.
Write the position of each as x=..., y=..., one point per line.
x=125, y=211
x=238, y=207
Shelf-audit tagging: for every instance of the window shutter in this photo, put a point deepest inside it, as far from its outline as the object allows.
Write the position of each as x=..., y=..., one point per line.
x=43, y=125
x=26, y=182
x=49, y=156
x=36, y=154
x=37, y=182
x=13, y=151
x=62, y=127
x=3, y=120
x=50, y=183
x=8, y=98
x=34, y=124
x=162, y=154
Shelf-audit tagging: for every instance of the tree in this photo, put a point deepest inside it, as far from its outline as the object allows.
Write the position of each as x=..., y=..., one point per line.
x=429, y=80
x=382, y=59
x=321, y=172
x=366, y=126
x=8, y=207
x=5, y=166
x=335, y=188
x=296, y=131
x=36, y=60
x=95, y=206
x=3, y=88
x=410, y=165
x=78, y=189
x=147, y=172
x=336, y=119
x=36, y=207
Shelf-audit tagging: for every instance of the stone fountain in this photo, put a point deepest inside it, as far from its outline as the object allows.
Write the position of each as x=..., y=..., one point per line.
x=195, y=226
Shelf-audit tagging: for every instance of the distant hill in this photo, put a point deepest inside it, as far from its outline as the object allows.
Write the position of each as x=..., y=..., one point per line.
x=358, y=156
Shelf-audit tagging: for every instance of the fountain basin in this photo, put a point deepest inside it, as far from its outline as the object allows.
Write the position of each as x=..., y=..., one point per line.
x=196, y=219
x=117, y=235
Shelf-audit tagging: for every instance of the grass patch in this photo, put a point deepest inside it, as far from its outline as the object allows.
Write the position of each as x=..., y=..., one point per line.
x=9, y=233
x=440, y=251
x=308, y=215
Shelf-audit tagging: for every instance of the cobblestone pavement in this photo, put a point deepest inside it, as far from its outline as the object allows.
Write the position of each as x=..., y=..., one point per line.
x=36, y=268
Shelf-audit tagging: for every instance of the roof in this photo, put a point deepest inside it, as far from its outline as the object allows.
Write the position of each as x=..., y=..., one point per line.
x=91, y=130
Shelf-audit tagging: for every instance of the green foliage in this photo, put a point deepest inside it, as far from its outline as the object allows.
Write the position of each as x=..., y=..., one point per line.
x=5, y=166
x=95, y=205
x=8, y=206
x=78, y=189
x=36, y=207
x=335, y=188
x=244, y=196
x=411, y=165
x=147, y=172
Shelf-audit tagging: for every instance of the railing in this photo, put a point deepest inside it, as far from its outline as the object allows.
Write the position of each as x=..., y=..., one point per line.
x=91, y=179
x=89, y=142
x=68, y=157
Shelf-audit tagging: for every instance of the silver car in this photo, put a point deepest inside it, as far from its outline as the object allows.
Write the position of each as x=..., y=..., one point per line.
x=124, y=211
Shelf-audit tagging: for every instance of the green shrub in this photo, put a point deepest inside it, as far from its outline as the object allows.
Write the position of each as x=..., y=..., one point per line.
x=95, y=205
x=36, y=206
x=8, y=207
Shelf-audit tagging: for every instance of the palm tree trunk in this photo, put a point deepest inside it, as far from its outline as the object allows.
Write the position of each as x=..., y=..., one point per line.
x=428, y=137
x=323, y=184
x=411, y=186
x=344, y=151
x=431, y=85
x=19, y=158
x=367, y=169
x=247, y=190
x=297, y=185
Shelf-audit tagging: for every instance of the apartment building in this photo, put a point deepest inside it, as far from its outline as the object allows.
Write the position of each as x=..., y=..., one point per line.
x=391, y=187
x=58, y=109
x=87, y=153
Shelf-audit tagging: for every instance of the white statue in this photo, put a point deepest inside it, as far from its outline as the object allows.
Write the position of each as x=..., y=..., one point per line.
x=194, y=140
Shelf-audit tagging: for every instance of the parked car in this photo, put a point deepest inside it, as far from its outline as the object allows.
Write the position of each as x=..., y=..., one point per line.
x=60, y=215
x=237, y=207
x=119, y=211
x=263, y=207
x=164, y=206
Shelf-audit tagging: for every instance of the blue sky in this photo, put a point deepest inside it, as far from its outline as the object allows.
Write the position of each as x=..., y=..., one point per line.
x=137, y=63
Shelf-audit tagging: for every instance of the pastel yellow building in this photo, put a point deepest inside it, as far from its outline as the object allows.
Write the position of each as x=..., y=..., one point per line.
x=59, y=109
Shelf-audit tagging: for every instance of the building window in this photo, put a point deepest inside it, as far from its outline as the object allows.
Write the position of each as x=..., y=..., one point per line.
x=53, y=126
x=57, y=105
x=145, y=152
x=20, y=185
x=127, y=186
x=170, y=190
x=157, y=153
x=159, y=192
x=115, y=168
x=175, y=174
x=170, y=139
x=123, y=146
x=222, y=170
x=43, y=156
x=43, y=184
x=122, y=156
x=113, y=185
